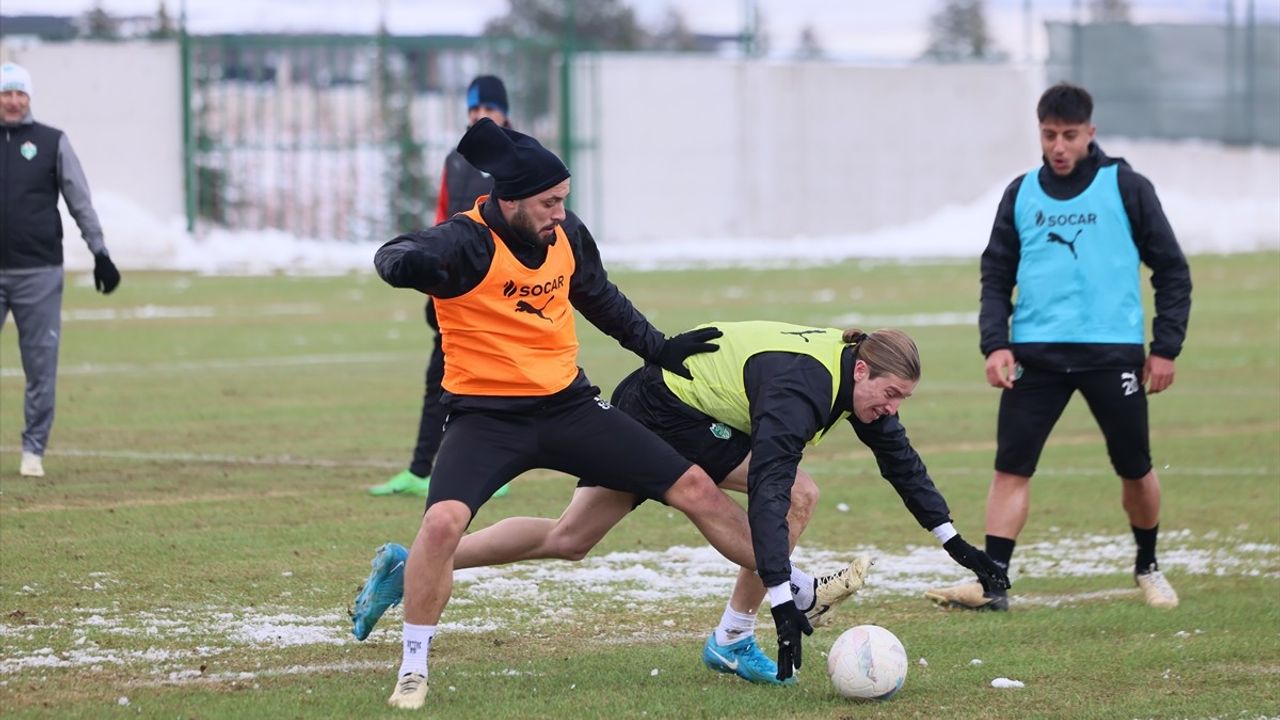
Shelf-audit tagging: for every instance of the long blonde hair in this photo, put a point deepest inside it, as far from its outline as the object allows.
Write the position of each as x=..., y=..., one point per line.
x=886, y=352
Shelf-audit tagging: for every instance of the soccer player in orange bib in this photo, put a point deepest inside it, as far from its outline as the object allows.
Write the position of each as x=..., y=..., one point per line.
x=506, y=277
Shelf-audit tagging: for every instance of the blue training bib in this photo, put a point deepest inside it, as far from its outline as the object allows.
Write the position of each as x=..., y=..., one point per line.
x=1078, y=273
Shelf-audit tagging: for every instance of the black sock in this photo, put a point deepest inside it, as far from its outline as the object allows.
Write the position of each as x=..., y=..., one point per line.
x=1146, y=540
x=1000, y=550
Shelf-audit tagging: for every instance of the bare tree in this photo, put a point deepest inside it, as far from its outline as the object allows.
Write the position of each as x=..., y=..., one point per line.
x=958, y=32
x=1109, y=11
x=603, y=24
x=164, y=24
x=674, y=33
x=760, y=42
x=99, y=25
x=810, y=45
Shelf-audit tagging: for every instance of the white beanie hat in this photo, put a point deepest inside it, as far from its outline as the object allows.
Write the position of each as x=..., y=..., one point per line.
x=15, y=77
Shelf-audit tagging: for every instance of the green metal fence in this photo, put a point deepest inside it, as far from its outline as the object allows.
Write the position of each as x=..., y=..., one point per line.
x=1175, y=81
x=343, y=136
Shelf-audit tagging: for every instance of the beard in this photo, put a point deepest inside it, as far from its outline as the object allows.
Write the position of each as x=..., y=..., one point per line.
x=524, y=229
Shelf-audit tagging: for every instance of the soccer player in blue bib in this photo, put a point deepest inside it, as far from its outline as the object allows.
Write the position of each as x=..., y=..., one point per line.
x=1069, y=236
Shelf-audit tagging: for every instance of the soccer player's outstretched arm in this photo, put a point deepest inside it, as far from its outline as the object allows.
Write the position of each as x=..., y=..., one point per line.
x=901, y=465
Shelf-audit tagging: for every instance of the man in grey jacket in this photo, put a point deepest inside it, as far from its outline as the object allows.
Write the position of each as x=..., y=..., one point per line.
x=36, y=164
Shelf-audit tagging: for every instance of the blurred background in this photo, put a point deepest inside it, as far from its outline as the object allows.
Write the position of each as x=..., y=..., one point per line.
x=238, y=136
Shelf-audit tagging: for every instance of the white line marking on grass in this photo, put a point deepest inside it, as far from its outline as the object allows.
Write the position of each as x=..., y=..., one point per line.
x=142, y=312
x=195, y=677
x=216, y=458
x=286, y=361
x=1072, y=598
x=1073, y=440
x=286, y=309
x=158, y=502
x=372, y=463
x=1171, y=471
x=182, y=312
x=938, y=319
x=928, y=387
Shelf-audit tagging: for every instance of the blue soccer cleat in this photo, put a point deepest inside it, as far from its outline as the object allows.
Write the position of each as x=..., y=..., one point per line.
x=744, y=659
x=384, y=588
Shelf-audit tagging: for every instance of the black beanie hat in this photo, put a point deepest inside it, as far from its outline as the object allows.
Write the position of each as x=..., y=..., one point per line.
x=487, y=90
x=520, y=166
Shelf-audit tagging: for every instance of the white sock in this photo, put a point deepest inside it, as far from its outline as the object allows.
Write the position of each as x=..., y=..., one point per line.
x=802, y=588
x=734, y=626
x=417, y=645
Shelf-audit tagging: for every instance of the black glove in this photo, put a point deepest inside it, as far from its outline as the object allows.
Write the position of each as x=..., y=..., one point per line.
x=991, y=575
x=105, y=275
x=790, y=622
x=678, y=347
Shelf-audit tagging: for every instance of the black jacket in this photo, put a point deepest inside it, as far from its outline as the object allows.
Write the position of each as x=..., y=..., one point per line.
x=460, y=184
x=1157, y=248
x=36, y=165
x=464, y=249
x=790, y=400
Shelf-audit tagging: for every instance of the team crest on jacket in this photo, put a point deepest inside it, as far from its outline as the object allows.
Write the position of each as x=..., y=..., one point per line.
x=28, y=150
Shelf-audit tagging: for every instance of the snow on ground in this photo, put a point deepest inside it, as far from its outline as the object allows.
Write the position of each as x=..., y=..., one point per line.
x=489, y=599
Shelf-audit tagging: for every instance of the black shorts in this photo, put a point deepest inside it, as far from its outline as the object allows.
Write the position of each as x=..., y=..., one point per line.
x=1029, y=411
x=715, y=447
x=482, y=451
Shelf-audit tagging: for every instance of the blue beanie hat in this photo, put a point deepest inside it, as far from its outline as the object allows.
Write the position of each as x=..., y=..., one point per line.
x=489, y=91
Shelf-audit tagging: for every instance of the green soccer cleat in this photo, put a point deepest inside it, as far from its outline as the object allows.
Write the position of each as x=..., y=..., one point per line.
x=503, y=490
x=419, y=487
x=403, y=482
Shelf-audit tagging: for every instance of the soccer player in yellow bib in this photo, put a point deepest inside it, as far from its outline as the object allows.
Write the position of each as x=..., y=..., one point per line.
x=745, y=418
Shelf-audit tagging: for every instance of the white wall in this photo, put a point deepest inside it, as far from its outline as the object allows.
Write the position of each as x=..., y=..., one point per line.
x=690, y=147
x=121, y=107
x=1218, y=198
x=694, y=159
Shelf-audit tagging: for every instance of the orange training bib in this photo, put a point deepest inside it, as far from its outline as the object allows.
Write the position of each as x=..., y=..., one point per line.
x=513, y=334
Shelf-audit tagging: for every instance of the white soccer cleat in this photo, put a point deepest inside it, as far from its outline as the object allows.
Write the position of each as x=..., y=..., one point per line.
x=833, y=589
x=968, y=596
x=32, y=465
x=410, y=692
x=1156, y=590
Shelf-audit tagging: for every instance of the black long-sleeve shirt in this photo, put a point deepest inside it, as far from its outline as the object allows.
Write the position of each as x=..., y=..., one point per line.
x=463, y=250
x=1157, y=248
x=790, y=400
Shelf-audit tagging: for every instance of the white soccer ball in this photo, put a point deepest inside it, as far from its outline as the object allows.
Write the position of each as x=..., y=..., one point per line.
x=867, y=661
